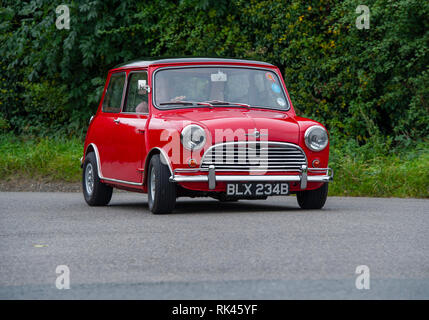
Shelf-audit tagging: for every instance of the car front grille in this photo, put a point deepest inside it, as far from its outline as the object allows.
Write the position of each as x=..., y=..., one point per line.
x=254, y=156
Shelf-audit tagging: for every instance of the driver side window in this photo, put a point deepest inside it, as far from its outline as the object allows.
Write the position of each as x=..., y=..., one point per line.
x=137, y=95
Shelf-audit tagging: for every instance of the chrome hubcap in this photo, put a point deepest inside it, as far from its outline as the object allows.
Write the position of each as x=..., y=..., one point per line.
x=89, y=179
x=152, y=184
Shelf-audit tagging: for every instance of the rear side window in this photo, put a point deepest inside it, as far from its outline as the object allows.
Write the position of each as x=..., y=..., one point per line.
x=113, y=98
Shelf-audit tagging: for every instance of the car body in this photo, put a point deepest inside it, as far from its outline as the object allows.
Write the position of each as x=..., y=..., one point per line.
x=223, y=128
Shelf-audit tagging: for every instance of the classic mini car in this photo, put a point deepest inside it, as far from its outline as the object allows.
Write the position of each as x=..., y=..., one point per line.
x=193, y=127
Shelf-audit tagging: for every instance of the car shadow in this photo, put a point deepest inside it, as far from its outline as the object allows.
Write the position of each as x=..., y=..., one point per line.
x=189, y=207
x=185, y=206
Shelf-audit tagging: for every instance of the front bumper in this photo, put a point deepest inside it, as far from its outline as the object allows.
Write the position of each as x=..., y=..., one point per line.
x=212, y=178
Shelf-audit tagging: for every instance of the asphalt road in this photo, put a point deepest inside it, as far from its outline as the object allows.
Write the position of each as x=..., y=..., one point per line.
x=210, y=250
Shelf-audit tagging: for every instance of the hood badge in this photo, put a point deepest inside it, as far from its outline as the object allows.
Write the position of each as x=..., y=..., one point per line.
x=257, y=134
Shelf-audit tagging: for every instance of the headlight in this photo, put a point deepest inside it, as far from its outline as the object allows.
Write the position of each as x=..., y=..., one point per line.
x=316, y=138
x=193, y=137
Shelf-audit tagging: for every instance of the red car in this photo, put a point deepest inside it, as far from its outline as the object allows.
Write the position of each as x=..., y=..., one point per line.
x=193, y=127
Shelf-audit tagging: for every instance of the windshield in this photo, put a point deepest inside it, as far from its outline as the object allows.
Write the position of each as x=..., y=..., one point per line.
x=218, y=87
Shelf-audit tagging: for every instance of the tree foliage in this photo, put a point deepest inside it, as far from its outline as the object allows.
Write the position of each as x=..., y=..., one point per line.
x=360, y=83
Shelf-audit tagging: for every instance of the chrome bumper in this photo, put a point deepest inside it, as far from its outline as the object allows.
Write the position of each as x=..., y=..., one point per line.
x=212, y=178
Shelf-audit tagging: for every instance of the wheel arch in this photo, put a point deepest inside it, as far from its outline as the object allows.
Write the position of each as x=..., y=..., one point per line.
x=164, y=159
x=93, y=148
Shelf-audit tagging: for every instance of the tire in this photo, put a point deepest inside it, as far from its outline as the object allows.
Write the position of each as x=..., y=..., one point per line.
x=313, y=199
x=95, y=192
x=161, y=192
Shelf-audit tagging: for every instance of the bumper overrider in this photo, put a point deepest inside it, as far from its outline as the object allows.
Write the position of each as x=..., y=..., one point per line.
x=209, y=175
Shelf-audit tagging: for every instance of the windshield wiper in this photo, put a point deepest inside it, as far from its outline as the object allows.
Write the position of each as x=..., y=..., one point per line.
x=191, y=103
x=177, y=102
x=210, y=104
x=227, y=103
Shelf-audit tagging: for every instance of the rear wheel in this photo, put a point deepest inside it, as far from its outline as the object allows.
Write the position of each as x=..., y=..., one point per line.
x=313, y=199
x=161, y=192
x=95, y=192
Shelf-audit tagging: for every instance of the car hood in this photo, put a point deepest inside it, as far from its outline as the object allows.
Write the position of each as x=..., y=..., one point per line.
x=278, y=125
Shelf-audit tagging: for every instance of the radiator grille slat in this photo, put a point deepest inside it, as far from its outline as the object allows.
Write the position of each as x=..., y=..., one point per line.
x=248, y=156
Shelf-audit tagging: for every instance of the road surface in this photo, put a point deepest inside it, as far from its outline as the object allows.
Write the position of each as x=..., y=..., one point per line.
x=210, y=250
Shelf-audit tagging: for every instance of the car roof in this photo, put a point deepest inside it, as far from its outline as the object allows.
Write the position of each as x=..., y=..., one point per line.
x=146, y=63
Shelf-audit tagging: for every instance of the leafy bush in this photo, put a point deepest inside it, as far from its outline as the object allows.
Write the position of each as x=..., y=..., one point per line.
x=361, y=83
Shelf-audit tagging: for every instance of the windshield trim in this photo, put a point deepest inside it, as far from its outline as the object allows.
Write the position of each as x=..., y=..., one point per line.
x=288, y=106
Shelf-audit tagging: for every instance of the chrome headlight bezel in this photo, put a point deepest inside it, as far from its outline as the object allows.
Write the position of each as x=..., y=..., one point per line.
x=186, y=137
x=309, y=137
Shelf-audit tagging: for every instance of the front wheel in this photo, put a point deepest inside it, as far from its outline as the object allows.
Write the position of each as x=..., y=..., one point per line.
x=313, y=199
x=161, y=192
x=95, y=192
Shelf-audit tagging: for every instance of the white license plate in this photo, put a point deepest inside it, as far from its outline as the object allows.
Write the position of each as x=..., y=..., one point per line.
x=257, y=189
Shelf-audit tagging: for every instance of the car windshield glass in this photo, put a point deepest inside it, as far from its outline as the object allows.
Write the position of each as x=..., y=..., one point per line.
x=218, y=87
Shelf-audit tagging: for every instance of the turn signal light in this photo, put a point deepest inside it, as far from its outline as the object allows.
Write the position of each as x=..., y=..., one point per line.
x=192, y=163
x=316, y=163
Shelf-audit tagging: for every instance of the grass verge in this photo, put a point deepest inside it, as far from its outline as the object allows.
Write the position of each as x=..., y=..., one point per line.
x=405, y=174
x=47, y=158
x=388, y=176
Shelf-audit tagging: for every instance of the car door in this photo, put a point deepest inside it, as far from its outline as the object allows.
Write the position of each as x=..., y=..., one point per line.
x=108, y=125
x=131, y=128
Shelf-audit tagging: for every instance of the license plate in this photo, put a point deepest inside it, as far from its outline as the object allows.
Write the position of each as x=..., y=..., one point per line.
x=257, y=189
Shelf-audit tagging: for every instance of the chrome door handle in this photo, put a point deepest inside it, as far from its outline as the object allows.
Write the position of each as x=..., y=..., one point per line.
x=116, y=121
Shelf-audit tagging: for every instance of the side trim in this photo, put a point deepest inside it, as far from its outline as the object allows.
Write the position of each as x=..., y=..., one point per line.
x=100, y=173
x=122, y=181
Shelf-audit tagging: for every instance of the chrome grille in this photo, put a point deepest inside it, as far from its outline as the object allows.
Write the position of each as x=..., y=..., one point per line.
x=254, y=156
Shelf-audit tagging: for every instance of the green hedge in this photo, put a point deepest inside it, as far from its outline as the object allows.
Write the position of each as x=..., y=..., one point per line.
x=360, y=83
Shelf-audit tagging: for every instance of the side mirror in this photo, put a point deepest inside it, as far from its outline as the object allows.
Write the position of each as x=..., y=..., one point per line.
x=142, y=85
